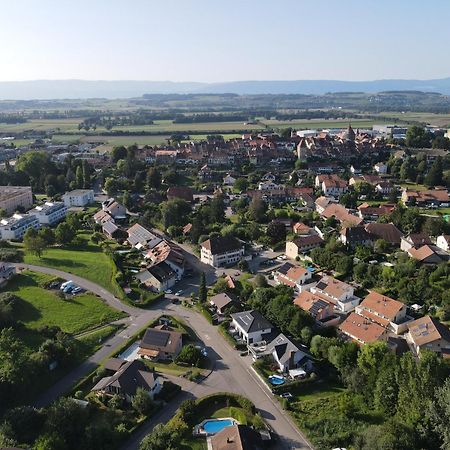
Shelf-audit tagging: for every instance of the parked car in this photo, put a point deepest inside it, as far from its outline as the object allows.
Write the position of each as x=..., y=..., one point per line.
x=76, y=290
x=178, y=293
x=287, y=395
x=65, y=284
x=68, y=289
x=168, y=291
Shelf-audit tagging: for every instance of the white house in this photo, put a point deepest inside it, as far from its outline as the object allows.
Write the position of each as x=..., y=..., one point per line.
x=380, y=168
x=228, y=180
x=15, y=227
x=50, y=213
x=251, y=326
x=443, y=242
x=292, y=276
x=78, y=197
x=221, y=251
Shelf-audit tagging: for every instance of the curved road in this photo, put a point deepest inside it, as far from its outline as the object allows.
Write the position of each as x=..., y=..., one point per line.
x=232, y=372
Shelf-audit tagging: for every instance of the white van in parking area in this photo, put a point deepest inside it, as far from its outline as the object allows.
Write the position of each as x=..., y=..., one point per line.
x=65, y=284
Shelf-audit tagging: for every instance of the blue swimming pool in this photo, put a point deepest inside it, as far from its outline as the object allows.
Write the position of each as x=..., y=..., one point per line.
x=214, y=426
x=276, y=381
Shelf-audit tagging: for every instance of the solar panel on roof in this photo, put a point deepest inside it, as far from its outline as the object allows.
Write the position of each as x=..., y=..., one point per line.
x=156, y=337
x=321, y=285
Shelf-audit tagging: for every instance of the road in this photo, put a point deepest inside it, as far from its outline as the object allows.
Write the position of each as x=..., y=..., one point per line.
x=232, y=372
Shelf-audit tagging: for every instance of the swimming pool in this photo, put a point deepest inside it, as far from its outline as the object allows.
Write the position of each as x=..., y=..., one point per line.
x=213, y=426
x=276, y=380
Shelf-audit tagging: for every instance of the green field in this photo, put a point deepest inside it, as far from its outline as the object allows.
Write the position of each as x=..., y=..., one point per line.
x=87, y=261
x=41, y=306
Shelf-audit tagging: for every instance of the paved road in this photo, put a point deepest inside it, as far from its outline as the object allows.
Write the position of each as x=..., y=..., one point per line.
x=232, y=373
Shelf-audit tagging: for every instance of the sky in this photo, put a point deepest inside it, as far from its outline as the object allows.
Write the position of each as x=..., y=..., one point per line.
x=223, y=40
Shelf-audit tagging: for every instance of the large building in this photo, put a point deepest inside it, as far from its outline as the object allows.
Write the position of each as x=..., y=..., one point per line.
x=79, y=197
x=50, y=213
x=12, y=197
x=15, y=227
x=222, y=251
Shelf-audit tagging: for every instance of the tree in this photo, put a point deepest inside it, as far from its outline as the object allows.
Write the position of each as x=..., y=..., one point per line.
x=79, y=179
x=381, y=246
x=161, y=438
x=276, y=231
x=64, y=234
x=441, y=142
x=439, y=413
x=221, y=285
x=241, y=184
x=175, y=212
x=33, y=243
x=434, y=176
x=202, y=291
x=48, y=235
x=154, y=178
x=189, y=354
x=418, y=137
x=141, y=401
x=257, y=209
x=118, y=153
x=260, y=280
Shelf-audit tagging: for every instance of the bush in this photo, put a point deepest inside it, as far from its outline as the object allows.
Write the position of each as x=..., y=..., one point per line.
x=189, y=354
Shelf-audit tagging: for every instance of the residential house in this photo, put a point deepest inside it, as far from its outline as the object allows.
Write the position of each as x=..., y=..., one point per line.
x=221, y=251
x=160, y=343
x=341, y=294
x=78, y=197
x=111, y=230
x=50, y=213
x=127, y=379
x=355, y=236
x=322, y=203
x=288, y=356
x=317, y=306
x=116, y=210
x=251, y=326
x=302, y=244
x=386, y=231
x=432, y=197
x=6, y=273
x=427, y=333
x=362, y=330
x=180, y=192
x=159, y=277
x=385, y=187
x=341, y=214
x=331, y=185
x=385, y=311
x=368, y=212
x=228, y=180
x=428, y=254
x=101, y=217
x=414, y=240
x=380, y=168
x=443, y=242
x=161, y=250
x=292, y=276
x=139, y=237
x=303, y=230
x=15, y=227
x=222, y=302
x=236, y=437
x=13, y=197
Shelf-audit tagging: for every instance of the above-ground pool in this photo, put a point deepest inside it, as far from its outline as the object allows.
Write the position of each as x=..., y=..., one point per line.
x=276, y=380
x=213, y=426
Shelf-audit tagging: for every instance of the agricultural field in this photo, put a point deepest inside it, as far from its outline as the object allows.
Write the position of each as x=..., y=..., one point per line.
x=439, y=120
x=40, y=306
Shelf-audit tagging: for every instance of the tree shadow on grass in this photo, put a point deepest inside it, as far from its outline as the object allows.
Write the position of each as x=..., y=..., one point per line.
x=59, y=263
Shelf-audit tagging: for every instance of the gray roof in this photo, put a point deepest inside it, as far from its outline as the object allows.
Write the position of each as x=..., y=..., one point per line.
x=283, y=347
x=251, y=321
x=221, y=300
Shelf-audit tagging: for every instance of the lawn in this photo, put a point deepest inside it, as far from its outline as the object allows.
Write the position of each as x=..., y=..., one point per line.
x=41, y=306
x=86, y=260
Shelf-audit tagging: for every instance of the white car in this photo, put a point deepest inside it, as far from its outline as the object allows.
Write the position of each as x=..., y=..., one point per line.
x=168, y=291
x=178, y=293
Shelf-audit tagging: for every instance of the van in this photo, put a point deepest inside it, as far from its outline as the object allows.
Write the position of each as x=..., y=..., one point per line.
x=66, y=283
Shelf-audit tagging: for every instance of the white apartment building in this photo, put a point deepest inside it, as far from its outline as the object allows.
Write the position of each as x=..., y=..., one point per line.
x=50, y=213
x=79, y=197
x=15, y=227
x=222, y=251
x=12, y=197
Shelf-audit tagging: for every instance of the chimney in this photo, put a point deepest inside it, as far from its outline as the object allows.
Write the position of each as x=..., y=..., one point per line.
x=229, y=440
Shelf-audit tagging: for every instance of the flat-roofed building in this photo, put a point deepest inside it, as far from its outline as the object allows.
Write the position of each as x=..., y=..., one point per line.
x=15, y=227
x=12, y=197
x=78, y=197
x=50, y=213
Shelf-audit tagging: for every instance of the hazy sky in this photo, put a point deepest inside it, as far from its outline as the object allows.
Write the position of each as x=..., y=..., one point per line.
x=224, y=40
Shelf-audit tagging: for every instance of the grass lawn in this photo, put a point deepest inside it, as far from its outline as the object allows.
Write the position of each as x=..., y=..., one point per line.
x=40, y=306
x=87, y=261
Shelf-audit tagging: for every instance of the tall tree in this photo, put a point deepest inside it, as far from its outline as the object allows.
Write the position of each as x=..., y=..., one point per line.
x=202, y=291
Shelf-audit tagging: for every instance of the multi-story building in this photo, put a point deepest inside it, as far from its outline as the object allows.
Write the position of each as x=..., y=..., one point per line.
x=15, y=227
x=50, y=213
x=222, y=251
x=12, y=197
x=78, y=197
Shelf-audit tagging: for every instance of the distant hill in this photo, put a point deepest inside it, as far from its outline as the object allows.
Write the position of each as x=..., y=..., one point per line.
x=72, y=89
